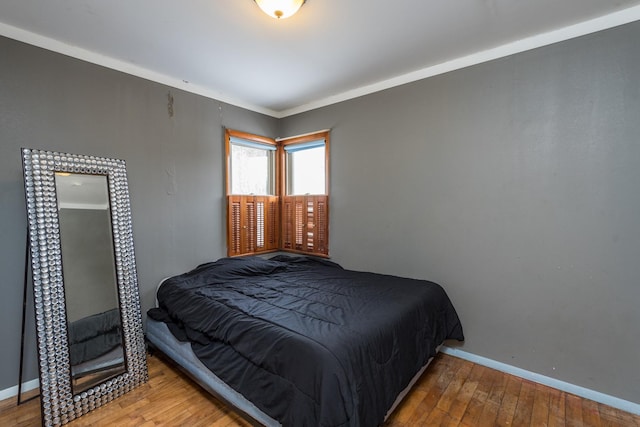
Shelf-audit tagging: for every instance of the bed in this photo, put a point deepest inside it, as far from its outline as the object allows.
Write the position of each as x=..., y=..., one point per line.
x=300, y=341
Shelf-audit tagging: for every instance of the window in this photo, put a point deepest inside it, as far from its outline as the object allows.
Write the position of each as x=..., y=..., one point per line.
x=252, y=205
x=305, y=199
x=252, y=167
x=305, y=165
x=277, y=194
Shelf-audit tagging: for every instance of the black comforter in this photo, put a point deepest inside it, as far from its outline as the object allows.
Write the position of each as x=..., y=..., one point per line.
x=309, y=343
x=93, y=336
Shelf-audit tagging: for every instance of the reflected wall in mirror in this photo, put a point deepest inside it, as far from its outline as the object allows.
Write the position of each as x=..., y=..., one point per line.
x=89, y=276
x=88, y=321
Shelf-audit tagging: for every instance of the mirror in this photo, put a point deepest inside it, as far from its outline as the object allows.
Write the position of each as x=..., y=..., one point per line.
x=88, y=321
x=94, y=329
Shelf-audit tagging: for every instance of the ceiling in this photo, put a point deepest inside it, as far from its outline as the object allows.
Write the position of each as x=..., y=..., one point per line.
x=330, y=51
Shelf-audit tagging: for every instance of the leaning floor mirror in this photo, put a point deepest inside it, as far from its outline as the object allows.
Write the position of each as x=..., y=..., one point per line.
x=87, y=306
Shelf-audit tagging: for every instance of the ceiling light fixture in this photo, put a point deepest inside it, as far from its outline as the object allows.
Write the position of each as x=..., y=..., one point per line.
x=280, y=9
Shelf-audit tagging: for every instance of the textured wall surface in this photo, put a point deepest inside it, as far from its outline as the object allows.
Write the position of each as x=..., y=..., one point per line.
x=174, y=164
x=514, y=183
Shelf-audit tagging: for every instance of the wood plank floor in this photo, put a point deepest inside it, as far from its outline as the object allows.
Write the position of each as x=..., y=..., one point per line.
x=452, y=392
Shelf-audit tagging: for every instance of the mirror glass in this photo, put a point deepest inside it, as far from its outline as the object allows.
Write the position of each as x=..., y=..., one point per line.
x=94, y=325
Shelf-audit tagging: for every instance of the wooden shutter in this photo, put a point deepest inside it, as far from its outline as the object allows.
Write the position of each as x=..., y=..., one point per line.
x=234, y=225
x=252, y=224
x=305, y=224
x=267, y=223
x=292, y=223
x=321, y=224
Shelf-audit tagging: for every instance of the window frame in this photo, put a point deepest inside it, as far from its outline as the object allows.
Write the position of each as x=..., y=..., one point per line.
x=310, y=228
x=230, y=133
x=303, y=139
x=312, y=236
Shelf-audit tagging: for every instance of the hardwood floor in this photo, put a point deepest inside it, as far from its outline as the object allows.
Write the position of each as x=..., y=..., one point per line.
x=452, y=392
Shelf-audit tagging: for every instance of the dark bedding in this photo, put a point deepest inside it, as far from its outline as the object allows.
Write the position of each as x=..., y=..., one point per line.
x=309, y=343
x=94, y=335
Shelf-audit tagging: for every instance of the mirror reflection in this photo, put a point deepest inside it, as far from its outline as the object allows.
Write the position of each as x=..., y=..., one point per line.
x=90, y=285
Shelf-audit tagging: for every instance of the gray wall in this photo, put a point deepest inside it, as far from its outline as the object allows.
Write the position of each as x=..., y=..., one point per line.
x=515, y=184
x=175, y=166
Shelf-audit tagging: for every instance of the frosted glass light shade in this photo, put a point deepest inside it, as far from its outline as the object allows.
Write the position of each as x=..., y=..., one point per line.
x=280, y=9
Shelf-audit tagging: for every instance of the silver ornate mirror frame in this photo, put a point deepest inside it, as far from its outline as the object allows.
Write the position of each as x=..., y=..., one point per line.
x=59, y=404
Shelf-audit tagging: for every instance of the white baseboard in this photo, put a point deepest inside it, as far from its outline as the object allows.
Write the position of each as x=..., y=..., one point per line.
x=13, y=391
x=596, y=396
x=586, y=393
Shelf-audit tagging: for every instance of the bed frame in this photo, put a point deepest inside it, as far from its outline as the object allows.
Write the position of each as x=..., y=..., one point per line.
x=161, y=341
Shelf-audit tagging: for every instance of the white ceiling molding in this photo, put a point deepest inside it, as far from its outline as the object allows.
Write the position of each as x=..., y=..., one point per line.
x=583, y=28
x=125, y=67
x=612, y=20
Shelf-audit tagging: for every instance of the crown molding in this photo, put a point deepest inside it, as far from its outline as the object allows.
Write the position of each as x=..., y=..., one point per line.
x=615, y=19
x=125, y=67
x=604, y=22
